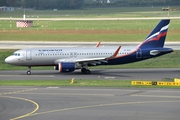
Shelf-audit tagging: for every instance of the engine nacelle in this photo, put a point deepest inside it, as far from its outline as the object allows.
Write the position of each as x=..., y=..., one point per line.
x=65, y=67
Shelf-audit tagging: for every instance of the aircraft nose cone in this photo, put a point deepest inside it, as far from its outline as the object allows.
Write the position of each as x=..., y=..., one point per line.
x=8, y=60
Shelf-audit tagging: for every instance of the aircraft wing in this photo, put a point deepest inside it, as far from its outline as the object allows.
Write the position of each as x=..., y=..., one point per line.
x=100, y=59
x=92, y=61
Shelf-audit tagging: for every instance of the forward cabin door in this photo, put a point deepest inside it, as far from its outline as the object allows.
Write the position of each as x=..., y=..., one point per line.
x=28, y=55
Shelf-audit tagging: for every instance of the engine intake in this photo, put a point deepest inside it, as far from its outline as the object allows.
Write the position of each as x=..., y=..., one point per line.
x=65, y=67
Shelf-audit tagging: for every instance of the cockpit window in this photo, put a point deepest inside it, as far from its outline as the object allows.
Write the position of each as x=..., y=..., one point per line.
x=16, y=54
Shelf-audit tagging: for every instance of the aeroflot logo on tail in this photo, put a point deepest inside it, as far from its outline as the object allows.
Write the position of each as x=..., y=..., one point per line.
x=159, y=34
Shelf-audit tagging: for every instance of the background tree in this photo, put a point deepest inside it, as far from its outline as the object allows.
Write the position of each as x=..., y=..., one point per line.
x=77, y=4
x=3, y=3
x=11, y=2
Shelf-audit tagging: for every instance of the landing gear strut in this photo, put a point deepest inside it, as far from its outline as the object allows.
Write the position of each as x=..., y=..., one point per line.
x=85, y=71
x=29, y=70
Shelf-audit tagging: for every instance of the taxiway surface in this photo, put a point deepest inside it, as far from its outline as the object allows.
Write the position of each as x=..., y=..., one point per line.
x=116, y=74
x=78, y=103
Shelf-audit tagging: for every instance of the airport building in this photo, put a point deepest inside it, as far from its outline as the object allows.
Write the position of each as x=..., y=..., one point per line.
x=4, y=8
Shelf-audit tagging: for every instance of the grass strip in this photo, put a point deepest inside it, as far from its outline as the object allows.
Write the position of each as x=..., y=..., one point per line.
x=103, y=83
x=82, y=83
x=86, y=31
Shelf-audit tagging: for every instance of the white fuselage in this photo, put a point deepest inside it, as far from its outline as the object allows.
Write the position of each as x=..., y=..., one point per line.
x=52, y=56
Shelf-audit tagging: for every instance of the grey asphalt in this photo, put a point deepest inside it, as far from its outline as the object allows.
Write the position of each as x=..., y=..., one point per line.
x=82, y=103
x=105, y=74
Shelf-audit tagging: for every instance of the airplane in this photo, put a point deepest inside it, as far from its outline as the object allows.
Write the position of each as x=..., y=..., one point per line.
x=71, y=59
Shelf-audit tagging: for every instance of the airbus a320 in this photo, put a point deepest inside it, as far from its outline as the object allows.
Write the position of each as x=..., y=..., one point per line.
x=71, y=59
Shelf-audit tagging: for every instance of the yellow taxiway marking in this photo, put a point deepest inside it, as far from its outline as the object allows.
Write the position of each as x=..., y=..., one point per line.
x=99, y=105
x=17, y=92
x=23, y=116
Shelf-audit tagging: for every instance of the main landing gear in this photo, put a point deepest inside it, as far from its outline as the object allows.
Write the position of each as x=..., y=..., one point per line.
x=29, y=70
x=85, y=71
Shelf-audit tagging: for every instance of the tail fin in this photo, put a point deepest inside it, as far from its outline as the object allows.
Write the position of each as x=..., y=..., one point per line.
x=157, y=37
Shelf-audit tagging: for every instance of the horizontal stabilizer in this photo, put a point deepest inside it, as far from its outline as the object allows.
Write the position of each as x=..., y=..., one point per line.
x=156, y=52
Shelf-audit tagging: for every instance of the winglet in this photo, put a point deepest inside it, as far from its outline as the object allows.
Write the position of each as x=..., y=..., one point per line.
x=98, y=44
x=116, y=52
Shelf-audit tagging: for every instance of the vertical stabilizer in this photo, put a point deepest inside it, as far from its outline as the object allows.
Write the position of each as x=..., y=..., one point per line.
x=157, y=37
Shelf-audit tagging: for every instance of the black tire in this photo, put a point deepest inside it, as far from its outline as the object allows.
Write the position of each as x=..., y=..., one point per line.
x=83, y=70
x=28, y=72
x=88, y=71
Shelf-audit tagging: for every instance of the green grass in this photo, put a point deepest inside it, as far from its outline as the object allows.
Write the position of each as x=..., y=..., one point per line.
x=82, y=83
x=103, y=83
x=86, y=31
x=167, y=61
x=89, y=24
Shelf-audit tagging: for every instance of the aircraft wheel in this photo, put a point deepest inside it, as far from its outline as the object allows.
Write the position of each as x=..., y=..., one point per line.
x=88, y=71
x=28, y=72
x=83, y=70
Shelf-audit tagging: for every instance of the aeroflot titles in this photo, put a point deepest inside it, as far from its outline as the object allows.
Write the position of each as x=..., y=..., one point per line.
x=50, y=50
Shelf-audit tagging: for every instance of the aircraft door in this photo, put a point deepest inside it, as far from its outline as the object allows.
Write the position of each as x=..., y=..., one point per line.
x=73, y=54
x=139, y=53
x=28, y=55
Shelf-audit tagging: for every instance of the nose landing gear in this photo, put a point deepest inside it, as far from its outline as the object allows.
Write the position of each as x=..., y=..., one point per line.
x=29, y=70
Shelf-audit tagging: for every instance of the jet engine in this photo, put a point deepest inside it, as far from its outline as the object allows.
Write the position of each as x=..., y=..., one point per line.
x=65, y=67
